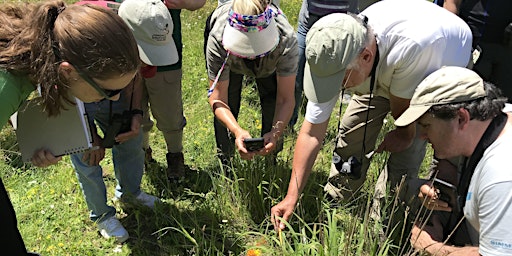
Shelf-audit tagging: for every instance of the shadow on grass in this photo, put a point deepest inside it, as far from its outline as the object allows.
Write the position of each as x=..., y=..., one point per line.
x=10, y=151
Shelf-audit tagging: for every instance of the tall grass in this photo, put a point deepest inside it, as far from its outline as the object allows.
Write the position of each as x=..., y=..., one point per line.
x=214, y=211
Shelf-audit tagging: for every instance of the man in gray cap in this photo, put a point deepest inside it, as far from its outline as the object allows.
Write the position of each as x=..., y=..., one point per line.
x=382, y=58
x=461, y=115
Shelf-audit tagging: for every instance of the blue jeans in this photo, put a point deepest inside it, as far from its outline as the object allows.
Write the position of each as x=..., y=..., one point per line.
x=128, y=159
x=301, y=41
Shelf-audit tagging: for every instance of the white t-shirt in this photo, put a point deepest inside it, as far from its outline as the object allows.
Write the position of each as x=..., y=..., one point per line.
x=488, y=207
x=415, y=38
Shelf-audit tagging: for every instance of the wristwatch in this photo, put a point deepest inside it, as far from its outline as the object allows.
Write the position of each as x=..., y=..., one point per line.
x=137, y=112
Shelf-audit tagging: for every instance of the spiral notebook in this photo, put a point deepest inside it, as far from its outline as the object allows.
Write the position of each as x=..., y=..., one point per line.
x=65, y=134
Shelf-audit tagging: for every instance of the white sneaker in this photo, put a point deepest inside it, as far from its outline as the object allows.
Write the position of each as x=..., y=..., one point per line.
x=147, y=200
x=111, y=227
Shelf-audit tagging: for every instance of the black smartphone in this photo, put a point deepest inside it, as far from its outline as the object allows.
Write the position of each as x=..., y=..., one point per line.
x=445, y=191
x=254, y=144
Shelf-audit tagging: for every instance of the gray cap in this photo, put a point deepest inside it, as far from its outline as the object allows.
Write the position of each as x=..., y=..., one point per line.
x=332, y=43
x=445, y=86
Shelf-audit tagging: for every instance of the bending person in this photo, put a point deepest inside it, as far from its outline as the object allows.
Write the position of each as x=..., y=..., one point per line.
x=251, y=38
x=461, y=115
x=45, y=44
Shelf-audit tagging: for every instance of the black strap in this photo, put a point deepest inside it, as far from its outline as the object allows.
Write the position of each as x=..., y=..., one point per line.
x=490, y=135
x=131, y=100
x=372, y=85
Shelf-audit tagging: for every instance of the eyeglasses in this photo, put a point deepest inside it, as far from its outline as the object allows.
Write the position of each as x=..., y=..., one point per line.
x=106, y=93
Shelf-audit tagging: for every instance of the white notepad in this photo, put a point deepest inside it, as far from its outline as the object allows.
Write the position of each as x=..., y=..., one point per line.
x=65, y=134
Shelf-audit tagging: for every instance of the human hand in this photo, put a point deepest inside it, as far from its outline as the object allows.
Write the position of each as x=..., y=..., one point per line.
x=281, y=212
x=239, y=142
x=44, y=158
x=427, y=237
x=94, y=155
x=396, y=141
x=134, y=130
x=270, y=144
x=430, y=199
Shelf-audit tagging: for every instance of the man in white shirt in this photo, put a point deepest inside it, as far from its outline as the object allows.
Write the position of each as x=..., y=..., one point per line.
x=461, y=115
x=396, y=43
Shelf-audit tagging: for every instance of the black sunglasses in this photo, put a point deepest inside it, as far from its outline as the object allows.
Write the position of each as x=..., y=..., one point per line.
x=106, y=93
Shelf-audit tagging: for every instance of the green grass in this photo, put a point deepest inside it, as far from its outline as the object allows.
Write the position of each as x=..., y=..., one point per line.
x=208, y=213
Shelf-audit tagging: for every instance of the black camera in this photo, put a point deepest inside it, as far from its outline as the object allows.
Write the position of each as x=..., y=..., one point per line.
x=445, y=191
x=350, y=168
x=119, y=123
x=254, y=144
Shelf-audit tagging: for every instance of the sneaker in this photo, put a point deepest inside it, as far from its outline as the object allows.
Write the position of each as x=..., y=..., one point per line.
x=175, y=165
x=112, y=227
x=147, y=200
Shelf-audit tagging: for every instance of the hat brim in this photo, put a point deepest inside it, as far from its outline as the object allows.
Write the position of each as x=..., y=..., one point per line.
x=251, y=44
x=320, y=89
x=158, y=55
x=412, y=114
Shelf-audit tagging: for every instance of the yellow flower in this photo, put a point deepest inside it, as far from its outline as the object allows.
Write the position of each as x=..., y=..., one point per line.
x=254, y=252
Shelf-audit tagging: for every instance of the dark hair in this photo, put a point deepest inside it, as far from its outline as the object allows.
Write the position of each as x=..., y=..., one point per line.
x=36, y=38
x=481, y=109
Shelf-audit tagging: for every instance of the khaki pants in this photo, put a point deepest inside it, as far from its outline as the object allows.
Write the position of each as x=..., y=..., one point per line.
x=351, y=134
x=163, y=93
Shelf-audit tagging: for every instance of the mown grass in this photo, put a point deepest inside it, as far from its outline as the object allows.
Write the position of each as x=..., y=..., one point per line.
x=208, y=213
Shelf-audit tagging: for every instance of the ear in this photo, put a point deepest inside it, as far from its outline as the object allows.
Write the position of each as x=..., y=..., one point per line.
x=463, y=117
x=67, y=70
x=367, y=56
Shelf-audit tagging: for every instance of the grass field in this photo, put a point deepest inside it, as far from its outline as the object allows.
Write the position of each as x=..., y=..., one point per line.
x=208, y=213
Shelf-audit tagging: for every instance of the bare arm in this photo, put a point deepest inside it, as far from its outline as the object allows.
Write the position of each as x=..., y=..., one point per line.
x=401, y=137
x=452, y=5
x=190, y=5
x=428, y=239
x=307, y=147
x=285, y=102
x=219, y=104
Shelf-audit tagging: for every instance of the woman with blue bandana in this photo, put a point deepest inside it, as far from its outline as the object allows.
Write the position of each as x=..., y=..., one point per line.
x=251, y=38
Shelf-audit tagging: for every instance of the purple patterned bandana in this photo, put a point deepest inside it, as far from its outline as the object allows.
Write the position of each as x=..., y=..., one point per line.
x=251, y=23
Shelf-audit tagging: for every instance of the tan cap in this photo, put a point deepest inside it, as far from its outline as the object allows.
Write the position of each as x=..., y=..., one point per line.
x=332, y=43
x=151, y=24
x=445, y=86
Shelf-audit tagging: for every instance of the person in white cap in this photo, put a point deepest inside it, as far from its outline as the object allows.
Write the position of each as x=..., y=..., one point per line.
x=381, y=55
x=251, y=38
x=162, y=95
x=461, y=115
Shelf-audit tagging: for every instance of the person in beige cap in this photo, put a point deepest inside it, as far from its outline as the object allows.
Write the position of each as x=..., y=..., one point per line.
x=381, y=55
x=461, y=115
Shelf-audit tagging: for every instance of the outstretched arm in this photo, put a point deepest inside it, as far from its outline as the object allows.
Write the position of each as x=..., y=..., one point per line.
x=307, y=147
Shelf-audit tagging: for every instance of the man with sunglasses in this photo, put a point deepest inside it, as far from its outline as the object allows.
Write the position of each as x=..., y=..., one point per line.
x=381, y=55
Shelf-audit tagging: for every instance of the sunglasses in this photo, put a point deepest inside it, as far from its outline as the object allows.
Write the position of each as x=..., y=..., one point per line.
x=106, y=93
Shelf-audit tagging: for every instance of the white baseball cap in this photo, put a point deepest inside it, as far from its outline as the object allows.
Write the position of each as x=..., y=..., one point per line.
x=151, y=24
